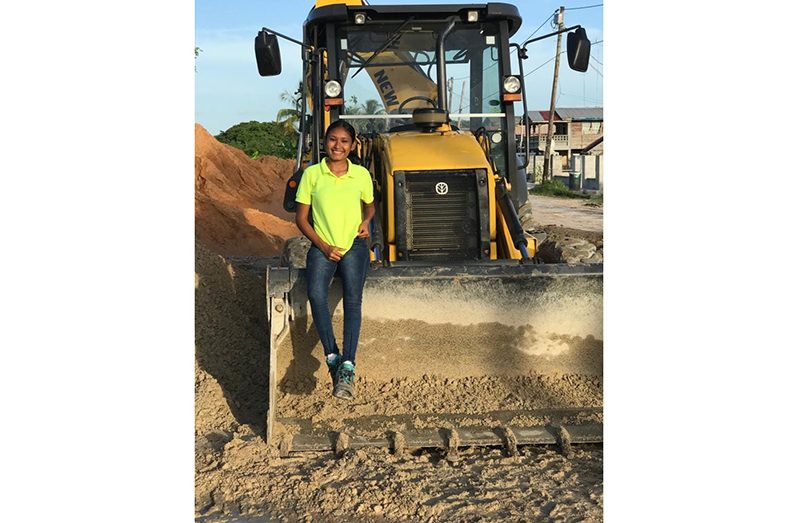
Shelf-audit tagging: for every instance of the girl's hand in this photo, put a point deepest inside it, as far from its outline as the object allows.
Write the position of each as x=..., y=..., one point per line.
x=363, y=230
x=331, y=252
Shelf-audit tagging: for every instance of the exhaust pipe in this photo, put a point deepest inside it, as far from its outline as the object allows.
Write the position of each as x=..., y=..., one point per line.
x=442, y=102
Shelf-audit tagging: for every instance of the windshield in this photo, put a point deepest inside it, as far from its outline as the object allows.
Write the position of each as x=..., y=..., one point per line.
x=390, y=69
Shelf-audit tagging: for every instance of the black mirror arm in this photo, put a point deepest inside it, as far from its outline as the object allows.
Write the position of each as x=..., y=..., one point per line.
x=521, y=54
x=306, y=46
x=523, y=46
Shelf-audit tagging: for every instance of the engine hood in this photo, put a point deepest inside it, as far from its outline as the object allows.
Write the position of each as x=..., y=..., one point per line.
x=419, y=151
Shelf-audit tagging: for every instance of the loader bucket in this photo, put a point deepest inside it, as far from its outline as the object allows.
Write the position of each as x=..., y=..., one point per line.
x=496, y=354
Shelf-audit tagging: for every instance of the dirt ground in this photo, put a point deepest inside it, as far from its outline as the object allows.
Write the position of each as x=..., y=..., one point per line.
x=239, y=478
x=550, y=211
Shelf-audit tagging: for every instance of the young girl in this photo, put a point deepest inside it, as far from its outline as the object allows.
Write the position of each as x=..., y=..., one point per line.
x=341, y=197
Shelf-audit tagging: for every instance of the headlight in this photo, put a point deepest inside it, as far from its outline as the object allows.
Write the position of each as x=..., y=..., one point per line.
x=332, y=89
x=512, y=84
x=496, y=138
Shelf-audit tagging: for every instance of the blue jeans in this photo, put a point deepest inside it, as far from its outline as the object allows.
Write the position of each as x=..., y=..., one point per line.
x=319, y=272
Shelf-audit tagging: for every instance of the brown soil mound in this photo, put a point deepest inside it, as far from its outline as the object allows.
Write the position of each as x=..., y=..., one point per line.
x=238, y=201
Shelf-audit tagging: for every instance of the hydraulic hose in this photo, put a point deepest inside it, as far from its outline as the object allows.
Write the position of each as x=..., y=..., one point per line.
x=511, y=217
x=377, y=239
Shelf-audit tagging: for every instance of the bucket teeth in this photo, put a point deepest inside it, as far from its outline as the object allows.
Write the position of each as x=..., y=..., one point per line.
x=341, y=443
x=398, y=442
x=511, y=441
x=285, y=444
x=452, y=442
x=564, y=441
x=449, y=439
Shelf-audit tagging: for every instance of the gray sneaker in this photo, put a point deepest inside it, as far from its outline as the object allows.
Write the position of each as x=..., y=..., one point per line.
x=345, y=382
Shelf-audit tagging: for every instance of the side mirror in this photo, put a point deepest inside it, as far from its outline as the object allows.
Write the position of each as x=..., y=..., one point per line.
x=267, y=53
x=578, y=50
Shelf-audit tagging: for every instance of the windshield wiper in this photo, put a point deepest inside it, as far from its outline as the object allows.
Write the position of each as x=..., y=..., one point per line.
x=391, y=39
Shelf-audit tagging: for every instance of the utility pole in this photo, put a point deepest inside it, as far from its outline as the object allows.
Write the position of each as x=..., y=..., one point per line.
x=547, y=168
x=450, y=84
x=460, y=111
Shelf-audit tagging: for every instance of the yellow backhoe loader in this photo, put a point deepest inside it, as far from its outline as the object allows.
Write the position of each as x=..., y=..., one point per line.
x=466, y=338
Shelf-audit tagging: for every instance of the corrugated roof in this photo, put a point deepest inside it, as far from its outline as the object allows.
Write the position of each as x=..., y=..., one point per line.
x=535, y=116
x=546, y=114
x=582, y=114
x=577, y=114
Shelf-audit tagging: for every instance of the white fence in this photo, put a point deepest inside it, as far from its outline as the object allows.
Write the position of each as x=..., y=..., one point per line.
x=585, y=171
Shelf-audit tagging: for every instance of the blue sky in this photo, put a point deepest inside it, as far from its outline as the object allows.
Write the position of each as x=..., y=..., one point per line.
x=228, y=89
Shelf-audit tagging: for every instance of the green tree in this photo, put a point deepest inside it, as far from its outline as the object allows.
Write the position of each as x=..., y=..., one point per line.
x=289, y=117
x=368, y=107
x=261, y=138
x=373, y=107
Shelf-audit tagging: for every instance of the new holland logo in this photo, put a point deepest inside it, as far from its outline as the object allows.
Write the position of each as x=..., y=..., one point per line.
x=441, y=188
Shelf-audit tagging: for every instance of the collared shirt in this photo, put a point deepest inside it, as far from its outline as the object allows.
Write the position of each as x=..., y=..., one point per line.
x=335, y=201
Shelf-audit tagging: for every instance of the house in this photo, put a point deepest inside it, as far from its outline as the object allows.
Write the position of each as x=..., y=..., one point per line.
x=578, y=130
x=578, y=140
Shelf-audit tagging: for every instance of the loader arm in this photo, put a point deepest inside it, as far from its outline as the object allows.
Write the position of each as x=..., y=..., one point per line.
x=404, y=85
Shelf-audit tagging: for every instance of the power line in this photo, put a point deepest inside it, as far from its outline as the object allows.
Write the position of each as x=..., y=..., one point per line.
x=494, y=64
x=594, y=68
x=583, y=7
x=533, y=70
x=555, y=56
x=538, y=29
x=541, y=65
x=544, y=63
x=572, y=95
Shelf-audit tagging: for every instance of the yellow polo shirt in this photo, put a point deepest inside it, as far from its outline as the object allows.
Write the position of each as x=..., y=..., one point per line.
x=335, y=201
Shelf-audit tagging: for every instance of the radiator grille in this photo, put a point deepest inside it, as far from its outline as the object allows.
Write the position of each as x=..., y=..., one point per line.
x=442, y=226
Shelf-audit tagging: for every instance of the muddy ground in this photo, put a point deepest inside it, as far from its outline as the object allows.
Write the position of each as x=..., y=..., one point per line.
x=239, y=478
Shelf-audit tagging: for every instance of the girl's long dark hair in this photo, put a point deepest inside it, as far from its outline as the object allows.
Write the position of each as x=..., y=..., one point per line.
x=346, y=126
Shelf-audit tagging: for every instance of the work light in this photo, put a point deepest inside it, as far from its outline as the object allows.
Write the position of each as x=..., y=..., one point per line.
x=332, y=89
x=512, y=84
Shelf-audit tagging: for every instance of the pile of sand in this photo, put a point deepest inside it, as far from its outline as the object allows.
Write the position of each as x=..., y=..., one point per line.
x=239, y=201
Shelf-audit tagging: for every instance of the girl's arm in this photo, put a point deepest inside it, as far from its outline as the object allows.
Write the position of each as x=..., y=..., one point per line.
x=302, y=212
